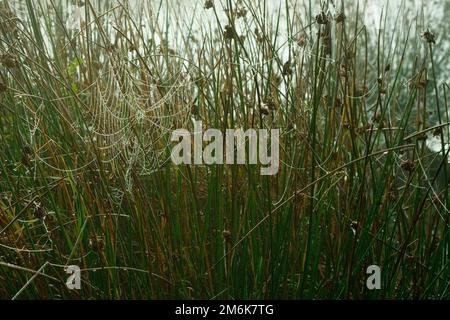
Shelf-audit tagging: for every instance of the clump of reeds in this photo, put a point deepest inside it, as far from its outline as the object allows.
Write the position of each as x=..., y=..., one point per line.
x=87, y=105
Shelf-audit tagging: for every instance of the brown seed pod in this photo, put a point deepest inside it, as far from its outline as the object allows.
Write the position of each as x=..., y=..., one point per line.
x=422, y=137
x=9, y=61
x=408, y=166
x=340, y=17
x=343, y=71
x=3, y=86
x=437, y=132
x=302, y=41
x=96, y=243
x=26, y=155
x=229, y=33
x=209, y=4
x=322, y=18
x=241, y=12
x=287, y=69
x=429, y=37
x=264, y=109
x=38, y=210
x=226, y=234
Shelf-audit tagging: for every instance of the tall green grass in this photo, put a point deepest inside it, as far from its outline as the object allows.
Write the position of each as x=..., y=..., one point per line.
x=86, y=115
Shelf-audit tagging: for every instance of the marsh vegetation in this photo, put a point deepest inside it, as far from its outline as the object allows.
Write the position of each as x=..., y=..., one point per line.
x=91, y=91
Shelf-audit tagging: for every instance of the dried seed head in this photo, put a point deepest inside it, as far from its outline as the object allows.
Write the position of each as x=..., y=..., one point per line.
x=264, y=109
x=241, y=12
x=226, y=234
x=408, y=166
x=27, y=149
x=38, y=210
x=259, y=36
x=422, y=136
x=96, y=243
x=3, y=86
x=9, y=61
x=343, y=71
x=175, y=257
x=381, y=86
x=268, y=105
x=429, y=37
x=228, y=32
x=26, y=155
x=322, y=18
x=302, y=41
x=287, y=69
x=437, y=132
x=209, y=4
x=340, y=17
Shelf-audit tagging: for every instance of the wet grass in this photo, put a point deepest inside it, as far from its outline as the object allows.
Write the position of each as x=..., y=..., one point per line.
x=86, y=115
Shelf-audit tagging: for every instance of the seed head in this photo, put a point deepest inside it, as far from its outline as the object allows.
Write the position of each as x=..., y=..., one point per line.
x=241, y=12
x=343, y=71
x=287, y=69
x=340, y=17
x=437, y=132
x=228, y=32
x=38, y=210
x=226, y=234
x=259, y=36
x=209, y=4
x=302, y=41
x=9, y=61
x=422, y=136
x=388, y=67
x=267, y=106
x=264, y=109
x=96, y=243
x=26, y=155
x=408, y=166
x=429, y=36
x=322, y=18
x=3, y=86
